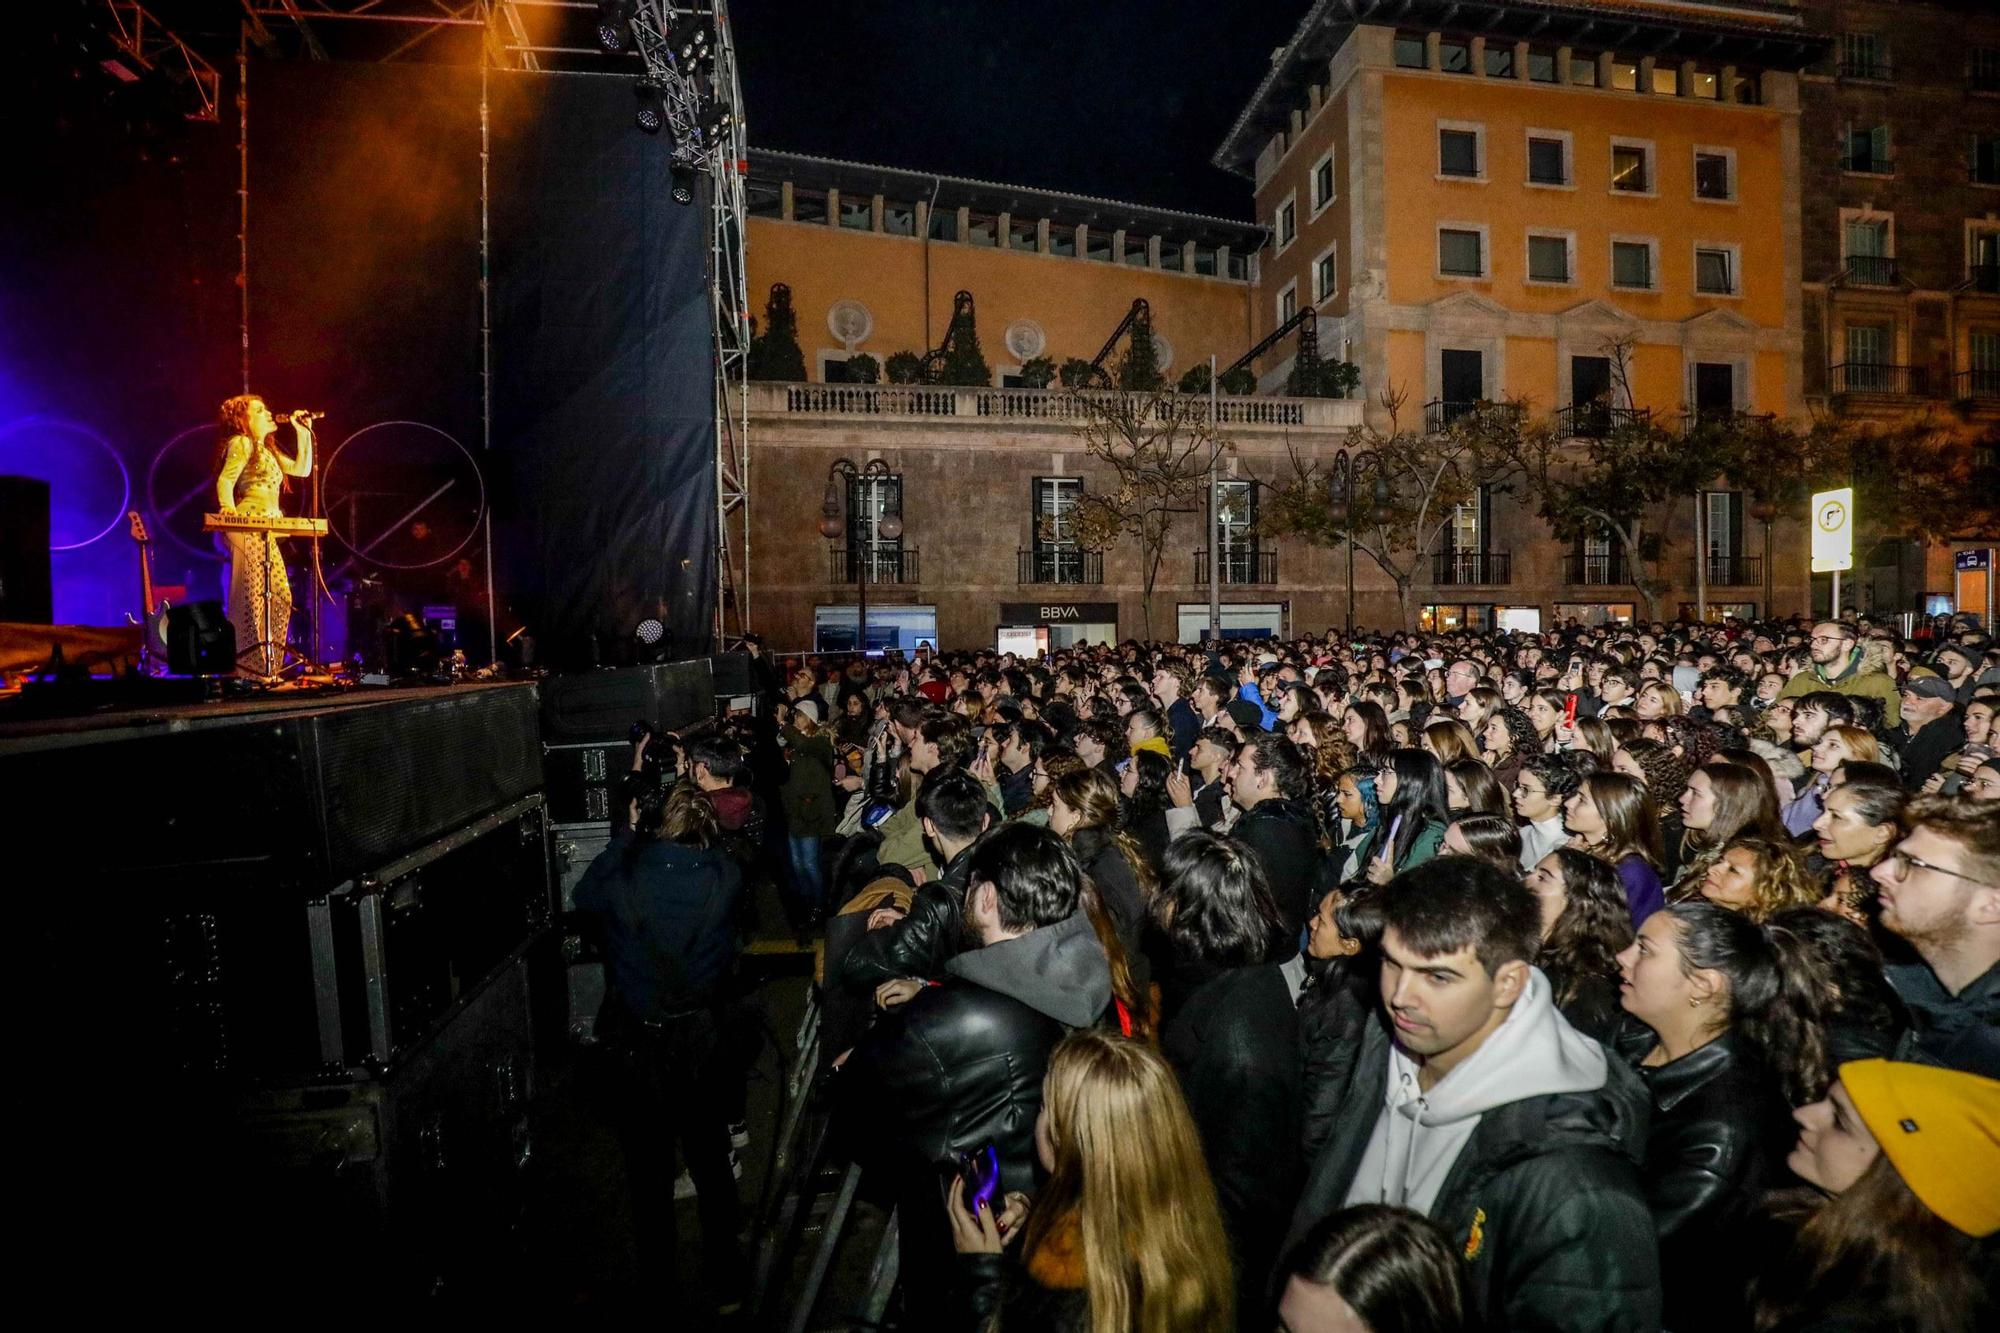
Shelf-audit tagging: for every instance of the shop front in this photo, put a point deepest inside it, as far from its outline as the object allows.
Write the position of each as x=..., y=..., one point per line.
x=1058, y=624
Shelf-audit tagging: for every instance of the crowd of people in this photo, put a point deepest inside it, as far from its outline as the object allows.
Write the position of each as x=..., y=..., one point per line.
x=1612, y=978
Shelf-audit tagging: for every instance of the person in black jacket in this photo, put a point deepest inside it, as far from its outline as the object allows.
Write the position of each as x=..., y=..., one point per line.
x=953, y=811
x=1084, y=809
x=664, y=904
x=1336, y=1002
x=1489, y=1114
x=1270, y=781
x=1710, y=986
x=1585, y=926
x=953, y=1067
x=1230, y=1029
x=1940, y=891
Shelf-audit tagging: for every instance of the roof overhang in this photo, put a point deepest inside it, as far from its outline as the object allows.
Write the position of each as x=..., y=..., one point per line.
x=1761, y=33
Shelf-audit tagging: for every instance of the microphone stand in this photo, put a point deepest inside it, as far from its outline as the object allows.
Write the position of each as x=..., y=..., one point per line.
x=313, y=592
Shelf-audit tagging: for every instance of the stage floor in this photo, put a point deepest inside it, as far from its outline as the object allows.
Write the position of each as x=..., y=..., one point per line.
x=24, y=727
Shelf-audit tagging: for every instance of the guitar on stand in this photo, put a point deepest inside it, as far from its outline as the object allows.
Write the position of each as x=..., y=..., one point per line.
x=152, y=610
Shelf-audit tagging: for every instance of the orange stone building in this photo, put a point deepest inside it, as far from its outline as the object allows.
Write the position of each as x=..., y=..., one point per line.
x=1569, y=203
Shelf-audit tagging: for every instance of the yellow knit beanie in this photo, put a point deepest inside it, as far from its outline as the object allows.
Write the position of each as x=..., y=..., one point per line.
x=1941, y=1130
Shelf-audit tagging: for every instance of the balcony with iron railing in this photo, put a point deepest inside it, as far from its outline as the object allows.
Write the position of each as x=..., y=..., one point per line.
x=1057, y=407
x=1977, y=383
x=1606, y=569
x=883, y=564
x=1887, y=380
x=1732, y=571
x=1868, y=163
x=1871, y=270
x=1875, y=68
x=1060, y=564
x=1596, y=421
x=1724, y=419
x=1492, y=569
x=1243, y=564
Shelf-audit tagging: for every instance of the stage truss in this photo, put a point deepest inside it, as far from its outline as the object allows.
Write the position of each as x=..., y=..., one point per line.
x=557, y=36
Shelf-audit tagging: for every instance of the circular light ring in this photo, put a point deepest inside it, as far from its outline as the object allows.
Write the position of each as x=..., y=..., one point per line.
x=479, y=477
x=162, y=514
x=124, y=474
x=650, y=632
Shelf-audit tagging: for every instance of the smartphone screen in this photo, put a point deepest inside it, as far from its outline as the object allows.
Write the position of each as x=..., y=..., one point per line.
x=981, y=1172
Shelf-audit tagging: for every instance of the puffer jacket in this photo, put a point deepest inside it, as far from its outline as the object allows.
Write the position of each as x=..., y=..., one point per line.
x=1543, y=1202
x=1719, y=1135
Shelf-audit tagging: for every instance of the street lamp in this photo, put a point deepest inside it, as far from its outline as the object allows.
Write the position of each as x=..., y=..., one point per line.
x=831, y=526
x=1764, y=511
x=1340, y=506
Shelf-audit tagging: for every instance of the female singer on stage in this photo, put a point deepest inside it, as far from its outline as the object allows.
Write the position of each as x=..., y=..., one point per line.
x=250, y=473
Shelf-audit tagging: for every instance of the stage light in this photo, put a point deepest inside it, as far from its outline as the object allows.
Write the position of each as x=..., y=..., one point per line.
x=683, y=192
x=650, y=632
x=651, y=641
x=715, y=122
x=652, y=114
x=614, y=24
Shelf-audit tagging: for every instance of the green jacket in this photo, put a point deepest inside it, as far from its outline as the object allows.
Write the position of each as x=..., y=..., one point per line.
x=903, y=836
x=1866, y=674
x=808, y=791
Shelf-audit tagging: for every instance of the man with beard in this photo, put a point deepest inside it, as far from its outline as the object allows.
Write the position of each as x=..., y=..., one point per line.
x=1845, y=665
x=1940, y=891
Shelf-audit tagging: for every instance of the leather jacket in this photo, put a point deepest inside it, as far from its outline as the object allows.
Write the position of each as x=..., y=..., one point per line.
x=1719, y=1135
x=921, y=943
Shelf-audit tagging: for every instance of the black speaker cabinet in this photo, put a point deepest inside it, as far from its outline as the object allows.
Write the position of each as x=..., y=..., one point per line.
x=200, y=640
x=26, y=592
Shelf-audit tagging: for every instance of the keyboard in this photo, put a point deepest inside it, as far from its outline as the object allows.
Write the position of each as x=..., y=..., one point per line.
x=282, y=526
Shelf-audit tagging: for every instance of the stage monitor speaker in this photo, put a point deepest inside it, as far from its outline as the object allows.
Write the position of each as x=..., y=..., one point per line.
x=27, y=593
x=200, y=640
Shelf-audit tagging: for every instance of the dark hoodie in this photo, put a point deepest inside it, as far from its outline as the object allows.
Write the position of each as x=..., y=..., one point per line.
x=1540, y=1193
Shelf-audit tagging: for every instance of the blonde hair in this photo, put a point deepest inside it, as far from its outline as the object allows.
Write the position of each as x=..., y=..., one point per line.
x=1859, y=743
x=1129, y=1170
x=1670, y=699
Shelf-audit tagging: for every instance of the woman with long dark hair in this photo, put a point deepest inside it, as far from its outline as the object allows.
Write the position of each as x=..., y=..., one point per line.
x=1372, y=1267
x=1720, y=1054
x=1414, y=811
x=1230, y=1029
x=1611, y=816
x=1471, y=788
x=1585, y=926
x=1719, y=801
x=1125, y=1234
x=1367, y=726
x=1490, y=838
x=1859, y=821
x=1084, y=810
x=1336, y=1000
x=1898, y=1234
x=1142, y=795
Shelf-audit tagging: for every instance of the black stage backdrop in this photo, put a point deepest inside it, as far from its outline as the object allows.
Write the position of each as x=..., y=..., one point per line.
x=118, y=316
x=604, y=393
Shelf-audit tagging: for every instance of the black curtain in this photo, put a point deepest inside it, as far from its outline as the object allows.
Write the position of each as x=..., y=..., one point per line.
x=604, y=389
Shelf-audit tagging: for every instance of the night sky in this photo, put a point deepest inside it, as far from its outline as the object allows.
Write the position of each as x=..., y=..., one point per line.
x=1125, y=100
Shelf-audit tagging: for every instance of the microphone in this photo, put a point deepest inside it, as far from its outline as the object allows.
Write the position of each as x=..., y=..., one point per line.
x=286, y=418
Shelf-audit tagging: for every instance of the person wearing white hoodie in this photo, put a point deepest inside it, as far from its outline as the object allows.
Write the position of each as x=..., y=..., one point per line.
x=1488, y=1113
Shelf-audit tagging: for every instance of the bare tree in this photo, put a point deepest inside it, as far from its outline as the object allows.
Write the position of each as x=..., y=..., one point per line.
x=1158, y=446
x=1406, y=487
x=1611, y=484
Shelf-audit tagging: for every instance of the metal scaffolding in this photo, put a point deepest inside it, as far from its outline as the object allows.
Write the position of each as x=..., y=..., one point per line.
x=703, y=102
x=143, y=40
